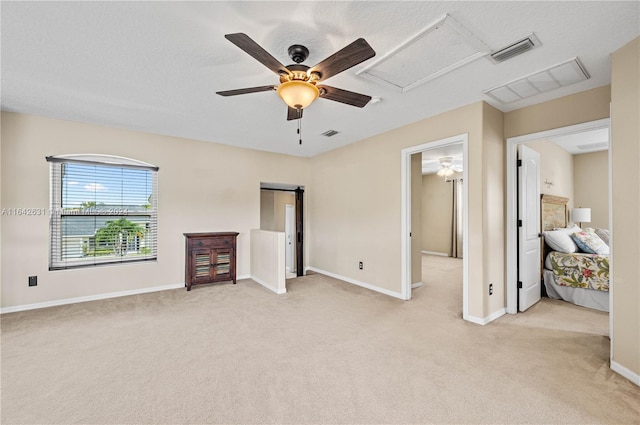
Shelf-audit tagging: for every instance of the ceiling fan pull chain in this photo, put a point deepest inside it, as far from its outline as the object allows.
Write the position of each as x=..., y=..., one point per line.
x=300, y=126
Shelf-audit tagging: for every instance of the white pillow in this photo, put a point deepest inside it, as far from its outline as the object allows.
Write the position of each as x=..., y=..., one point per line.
x=559, y=240
x=569, y=229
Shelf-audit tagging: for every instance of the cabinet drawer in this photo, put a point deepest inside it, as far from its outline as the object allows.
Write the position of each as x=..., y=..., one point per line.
x=219, y=242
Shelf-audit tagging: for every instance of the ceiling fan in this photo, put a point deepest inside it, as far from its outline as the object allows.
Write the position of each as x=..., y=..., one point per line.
x=299, y=83
x=448, y=166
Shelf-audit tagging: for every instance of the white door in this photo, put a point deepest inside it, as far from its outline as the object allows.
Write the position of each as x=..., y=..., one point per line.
x=528, y=228
x=289, y=232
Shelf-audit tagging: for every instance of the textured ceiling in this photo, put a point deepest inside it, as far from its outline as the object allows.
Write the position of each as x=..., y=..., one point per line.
x=155, y=66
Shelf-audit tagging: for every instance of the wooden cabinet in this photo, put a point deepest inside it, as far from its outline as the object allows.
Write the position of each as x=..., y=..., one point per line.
x=210, y=257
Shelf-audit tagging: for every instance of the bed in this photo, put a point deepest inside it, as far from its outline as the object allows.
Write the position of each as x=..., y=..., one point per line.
x=569, y=273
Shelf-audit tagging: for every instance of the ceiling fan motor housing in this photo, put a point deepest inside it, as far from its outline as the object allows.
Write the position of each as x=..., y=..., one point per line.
x=298, y=53
x=299, y=72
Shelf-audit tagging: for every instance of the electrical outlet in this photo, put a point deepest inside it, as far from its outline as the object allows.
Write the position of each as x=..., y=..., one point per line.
x=360, y=265
x=491, y=289
x=33, y=280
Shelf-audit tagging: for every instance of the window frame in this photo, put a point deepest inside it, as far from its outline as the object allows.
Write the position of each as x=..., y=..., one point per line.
x=57, y=250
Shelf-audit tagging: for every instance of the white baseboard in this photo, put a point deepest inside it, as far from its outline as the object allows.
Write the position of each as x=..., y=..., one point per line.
x=357, y=282
x=269, y=287
x=627, y=373
x=244, y=276
x=416, y=285
x=440, y=254
x=88, y=298
x=485, y=320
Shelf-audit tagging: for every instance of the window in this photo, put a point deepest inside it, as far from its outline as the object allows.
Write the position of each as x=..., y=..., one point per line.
x=104, y=210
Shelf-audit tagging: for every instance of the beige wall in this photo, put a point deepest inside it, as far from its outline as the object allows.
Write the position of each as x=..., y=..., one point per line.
x=591, y=186
x=581, y=107
x=267, y=210
x=493, y=189
x=268, y=259
x=361, y=220
x=1, y=206
x=202, y=187
x=625, y=152
x=416, y=223
x=272, y=209
x=437, y=204
x=581, y=178
x=282, y=199
x=556, y=166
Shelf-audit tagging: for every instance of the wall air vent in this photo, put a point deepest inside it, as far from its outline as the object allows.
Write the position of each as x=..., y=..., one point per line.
x=515, y=49
x=330, y=133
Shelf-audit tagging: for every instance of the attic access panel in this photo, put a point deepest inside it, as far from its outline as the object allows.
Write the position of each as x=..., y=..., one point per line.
x=440, y=48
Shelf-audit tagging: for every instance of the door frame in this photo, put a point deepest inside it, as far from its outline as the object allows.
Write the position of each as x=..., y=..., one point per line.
x=406, y=215
x=512, y=204
x=290, y=224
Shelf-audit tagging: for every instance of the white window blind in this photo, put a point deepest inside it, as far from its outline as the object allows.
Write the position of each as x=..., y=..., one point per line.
x=104, y=210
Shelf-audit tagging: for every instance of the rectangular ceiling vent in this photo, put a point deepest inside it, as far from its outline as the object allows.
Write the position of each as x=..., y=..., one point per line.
x=515, y=49
x=561, y=75
x=594, y=146
x=330, y=133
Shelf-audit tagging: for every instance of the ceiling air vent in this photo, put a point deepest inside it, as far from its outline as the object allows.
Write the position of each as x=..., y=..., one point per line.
x=560, y=75
x=594, y=146
x=515, y=49
x=330, y=133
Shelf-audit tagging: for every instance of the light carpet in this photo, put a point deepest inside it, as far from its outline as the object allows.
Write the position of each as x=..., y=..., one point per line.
x=324, y=352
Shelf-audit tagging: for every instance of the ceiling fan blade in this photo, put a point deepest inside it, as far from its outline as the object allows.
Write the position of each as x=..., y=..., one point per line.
x=355, y=53
x=293, y=114
x=344, y=96
x=246, y=91
x=244, y=42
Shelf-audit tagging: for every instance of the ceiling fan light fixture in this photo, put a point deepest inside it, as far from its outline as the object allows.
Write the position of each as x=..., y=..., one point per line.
x=298, y=94
x=447, y=168
x=445, y=172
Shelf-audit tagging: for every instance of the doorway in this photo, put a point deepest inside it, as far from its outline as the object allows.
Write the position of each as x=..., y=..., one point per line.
x=282, y=210
x=406, y=228
x=512, y=202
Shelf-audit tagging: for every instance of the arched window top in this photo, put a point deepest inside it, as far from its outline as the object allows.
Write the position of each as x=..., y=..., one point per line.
x=100, y=159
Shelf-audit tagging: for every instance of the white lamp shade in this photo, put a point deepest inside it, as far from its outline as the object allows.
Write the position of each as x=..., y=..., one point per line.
x=581, y=215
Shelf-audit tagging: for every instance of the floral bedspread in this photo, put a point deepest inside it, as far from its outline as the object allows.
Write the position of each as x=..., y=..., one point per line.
x=581, y=270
